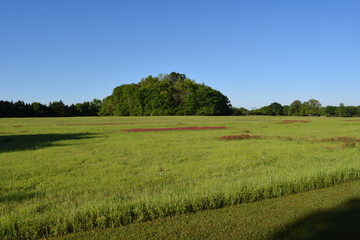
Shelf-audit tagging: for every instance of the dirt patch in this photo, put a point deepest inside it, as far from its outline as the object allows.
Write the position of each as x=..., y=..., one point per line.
x=18, y=126
x=342, y=146
x=292, y=121
x=170, y=129
x=329, y=148
x=340, y=139
x=347, y=142
x=246, y=131
x=283, y=137
x=239, y=137
x=247, y=136
x=349, y=145
x=94, y=124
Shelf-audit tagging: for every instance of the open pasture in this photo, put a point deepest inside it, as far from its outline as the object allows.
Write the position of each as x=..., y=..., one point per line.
x=64, y=175
x=331, y=213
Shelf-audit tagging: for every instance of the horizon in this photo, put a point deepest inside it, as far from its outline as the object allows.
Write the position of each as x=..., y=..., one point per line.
x=255, y=53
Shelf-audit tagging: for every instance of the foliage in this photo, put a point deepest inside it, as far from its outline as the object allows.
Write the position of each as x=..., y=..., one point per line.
x=307, y=108
x=239, y=111
x=329, y=111
x=341, y=111
x=310, y=108
x=54, y=109
x=274, y=109
x=294, y=109
x=166, y=94
x=169, y=94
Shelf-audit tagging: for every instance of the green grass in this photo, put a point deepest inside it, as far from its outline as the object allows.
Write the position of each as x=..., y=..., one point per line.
x=331, y=213
x=63, y=175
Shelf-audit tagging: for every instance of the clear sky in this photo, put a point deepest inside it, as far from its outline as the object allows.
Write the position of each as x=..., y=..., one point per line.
x=254, y=51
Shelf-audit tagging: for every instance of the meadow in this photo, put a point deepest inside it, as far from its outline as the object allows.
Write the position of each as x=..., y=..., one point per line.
x=67, y=175
x=330, y=213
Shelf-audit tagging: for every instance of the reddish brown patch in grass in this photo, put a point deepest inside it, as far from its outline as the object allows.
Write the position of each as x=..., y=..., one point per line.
x=246, y=136
x=340, y=139
x=329, y=148
x=349, y=145
x=348, y=142
x=94, y=124
x=283, y=137
x=246, y=131
x=239, y=137
x=170, y=129
x=293, y=121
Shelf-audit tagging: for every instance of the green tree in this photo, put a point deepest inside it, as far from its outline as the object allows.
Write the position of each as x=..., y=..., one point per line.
x=58, y=109
x=274, y=109
x=314, y=107
x=294, y=108
x=239, y=111
x=39, y=110
x=347, y=111
x=330, y=111
x=167, y=94
x=286, y=110
x=341, y=110
x=310, y=108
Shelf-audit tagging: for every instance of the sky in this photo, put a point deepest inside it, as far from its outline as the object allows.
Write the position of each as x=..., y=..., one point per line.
x=254, y=51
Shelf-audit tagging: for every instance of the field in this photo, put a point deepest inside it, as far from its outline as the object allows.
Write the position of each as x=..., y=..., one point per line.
x=66, y=175
x=324, y=214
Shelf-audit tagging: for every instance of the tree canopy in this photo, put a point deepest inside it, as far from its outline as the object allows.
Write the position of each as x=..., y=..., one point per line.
x=166, y=94
x=54, y=109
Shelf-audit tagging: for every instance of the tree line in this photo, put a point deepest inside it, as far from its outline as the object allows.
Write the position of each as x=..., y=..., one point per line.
x=53, y=109
x=169, y=94
x=297, y=108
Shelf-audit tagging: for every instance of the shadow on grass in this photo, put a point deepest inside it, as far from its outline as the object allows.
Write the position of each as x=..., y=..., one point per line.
x=18, y=196
x=10, y=143
x=342, y=222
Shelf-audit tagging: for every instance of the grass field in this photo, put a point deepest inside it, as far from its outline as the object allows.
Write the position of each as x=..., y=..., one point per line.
x=323, y=214
x=65, y=175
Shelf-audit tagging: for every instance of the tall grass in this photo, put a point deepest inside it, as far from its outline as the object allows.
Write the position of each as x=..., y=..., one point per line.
x=98, y=176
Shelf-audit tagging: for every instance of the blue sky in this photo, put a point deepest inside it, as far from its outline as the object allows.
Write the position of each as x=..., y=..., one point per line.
x=255, y=52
